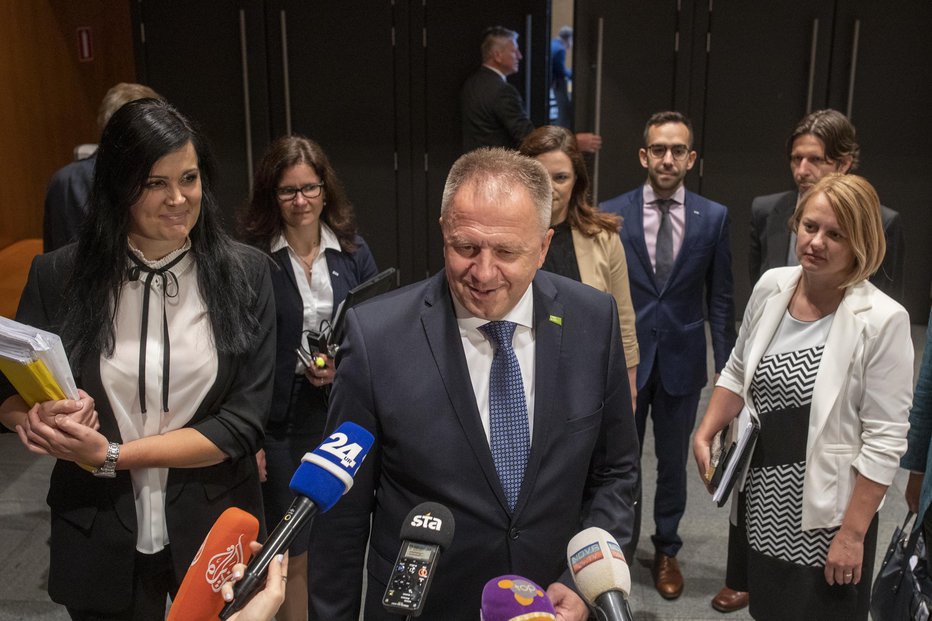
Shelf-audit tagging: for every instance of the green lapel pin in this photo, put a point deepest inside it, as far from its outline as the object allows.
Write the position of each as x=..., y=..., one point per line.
x=557, y=320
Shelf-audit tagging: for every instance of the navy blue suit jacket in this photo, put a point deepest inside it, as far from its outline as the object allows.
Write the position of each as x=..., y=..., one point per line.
x=347, y=269
x=403, y=376
x=94, y=525
x=66, y=203
x=671, y=321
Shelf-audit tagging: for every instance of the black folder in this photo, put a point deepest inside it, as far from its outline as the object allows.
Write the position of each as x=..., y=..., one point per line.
x=382, y=282
x=735, y=460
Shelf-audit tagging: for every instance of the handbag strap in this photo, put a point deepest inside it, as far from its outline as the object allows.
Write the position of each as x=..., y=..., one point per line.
x=914, y=534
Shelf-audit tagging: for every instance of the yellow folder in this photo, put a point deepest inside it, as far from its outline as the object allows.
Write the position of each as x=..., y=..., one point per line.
x=32, y=380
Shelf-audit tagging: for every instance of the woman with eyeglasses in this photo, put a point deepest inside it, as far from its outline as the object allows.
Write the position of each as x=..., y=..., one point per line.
x=585, y=244
x=167, y=323
x=300, y=215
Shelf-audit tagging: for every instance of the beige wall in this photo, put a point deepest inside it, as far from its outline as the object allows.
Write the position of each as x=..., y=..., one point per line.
x=48, y=99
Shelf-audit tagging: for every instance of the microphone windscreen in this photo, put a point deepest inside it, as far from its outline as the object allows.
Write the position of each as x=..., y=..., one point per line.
x=327, y=473
x=597, y=563
x=226, y=544
x=513, y=598
x=429, y=522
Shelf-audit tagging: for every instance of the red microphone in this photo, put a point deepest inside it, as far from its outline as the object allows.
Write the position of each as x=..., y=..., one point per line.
x=226, y=544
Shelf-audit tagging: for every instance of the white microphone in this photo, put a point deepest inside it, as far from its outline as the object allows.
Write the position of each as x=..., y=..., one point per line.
x=600, y=572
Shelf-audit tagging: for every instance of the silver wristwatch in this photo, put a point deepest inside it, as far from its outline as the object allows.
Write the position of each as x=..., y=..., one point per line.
x=108, y=469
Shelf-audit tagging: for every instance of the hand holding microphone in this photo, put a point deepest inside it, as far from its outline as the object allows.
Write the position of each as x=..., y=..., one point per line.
x=265, y=603
x=320, y=481
x=599, y=570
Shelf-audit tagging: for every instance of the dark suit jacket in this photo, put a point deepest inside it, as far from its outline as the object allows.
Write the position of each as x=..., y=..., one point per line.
x=403, y=376
x=493, y=113
x=770, y=241
x=93, y=539
x=347, y=269
x=670, y=322
x=66, y=203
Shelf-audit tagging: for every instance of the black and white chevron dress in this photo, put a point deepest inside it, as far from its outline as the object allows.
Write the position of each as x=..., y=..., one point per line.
x=785, y=564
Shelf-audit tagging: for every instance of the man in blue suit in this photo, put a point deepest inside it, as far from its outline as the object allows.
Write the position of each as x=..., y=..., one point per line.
x=679, y=264
x=418, y=368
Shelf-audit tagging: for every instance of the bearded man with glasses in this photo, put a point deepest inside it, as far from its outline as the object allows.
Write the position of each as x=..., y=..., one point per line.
x=679, y=265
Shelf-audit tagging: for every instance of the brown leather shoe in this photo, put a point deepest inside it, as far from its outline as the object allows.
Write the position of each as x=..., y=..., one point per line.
x=667, y=576
x=729, y=600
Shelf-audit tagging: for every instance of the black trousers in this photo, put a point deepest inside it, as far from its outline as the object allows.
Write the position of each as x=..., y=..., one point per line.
x=153, y=582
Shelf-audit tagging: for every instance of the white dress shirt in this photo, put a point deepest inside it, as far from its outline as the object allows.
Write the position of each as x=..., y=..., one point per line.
x=193, y=370
x=316, y=295
x=479, y=353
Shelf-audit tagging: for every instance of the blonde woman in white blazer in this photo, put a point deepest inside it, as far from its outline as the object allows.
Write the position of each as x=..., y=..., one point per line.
x=824, y=362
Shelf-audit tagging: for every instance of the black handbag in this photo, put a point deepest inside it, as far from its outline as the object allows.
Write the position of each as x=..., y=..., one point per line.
x=902, y=588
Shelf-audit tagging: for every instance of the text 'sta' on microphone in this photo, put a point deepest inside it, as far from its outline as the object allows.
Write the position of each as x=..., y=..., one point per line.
x=319, y=482
x=425, y=533
x=226, y=544
x=600, y=572
x=514, y=598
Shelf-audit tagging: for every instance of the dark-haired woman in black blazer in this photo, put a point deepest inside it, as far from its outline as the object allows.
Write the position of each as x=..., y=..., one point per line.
x=300, y=215
x=169, y=327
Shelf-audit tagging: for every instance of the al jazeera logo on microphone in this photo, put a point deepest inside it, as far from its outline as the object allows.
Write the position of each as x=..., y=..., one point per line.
x=220, y=566
x=592, y=553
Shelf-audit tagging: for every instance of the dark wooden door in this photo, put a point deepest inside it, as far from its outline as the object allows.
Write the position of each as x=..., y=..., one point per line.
x=880, y=74
x=332, y=74
x=208, y=58
x=451, y=33
x=760, y=67
x=642, y=53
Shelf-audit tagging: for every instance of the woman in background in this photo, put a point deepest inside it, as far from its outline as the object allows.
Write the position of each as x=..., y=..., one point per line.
x=168, y=326
x=919, y=442
x=585, y=245
x=823, y=362
x=300, y=215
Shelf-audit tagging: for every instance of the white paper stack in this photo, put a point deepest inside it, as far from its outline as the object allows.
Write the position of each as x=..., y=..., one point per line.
x=34, y=361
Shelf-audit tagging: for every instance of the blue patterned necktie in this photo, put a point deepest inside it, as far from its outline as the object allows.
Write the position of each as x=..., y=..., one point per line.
x=510, y=438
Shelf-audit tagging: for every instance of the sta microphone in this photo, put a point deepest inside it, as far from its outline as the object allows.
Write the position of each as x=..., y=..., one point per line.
x=600, y=572
x=425, y=533
x=513, y=598
x=226, y=544
x=319, y=482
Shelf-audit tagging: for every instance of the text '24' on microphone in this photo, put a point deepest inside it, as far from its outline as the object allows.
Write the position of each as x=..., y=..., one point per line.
x=514, y=598
x=322, y=478
x=601, y=574
x=425, y=533
x=226, y=544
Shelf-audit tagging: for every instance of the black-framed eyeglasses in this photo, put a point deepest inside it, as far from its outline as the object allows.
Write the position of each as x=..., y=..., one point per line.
x=288, y=193
x=658, y=151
